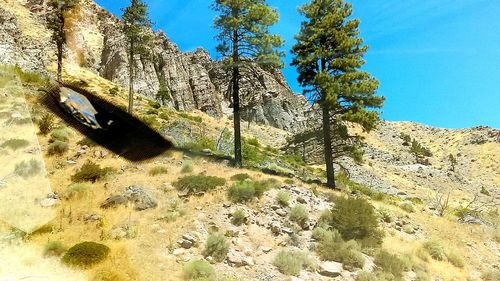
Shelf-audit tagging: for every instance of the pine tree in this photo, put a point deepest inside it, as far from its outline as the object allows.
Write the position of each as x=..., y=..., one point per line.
x=245, y=39
x=328, y=56
x=136, y=26
x=56, y=24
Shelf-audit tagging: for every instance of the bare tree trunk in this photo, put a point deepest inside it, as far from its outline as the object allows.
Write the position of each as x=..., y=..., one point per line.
x=330, y=174
x=59, y=62
x=327, y=138
x=131, y=79
x=236, y=99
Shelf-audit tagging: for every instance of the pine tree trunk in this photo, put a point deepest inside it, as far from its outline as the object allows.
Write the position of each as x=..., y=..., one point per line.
x=131, y=79
x=59, y=62
x=236, y=102
x=330, y=174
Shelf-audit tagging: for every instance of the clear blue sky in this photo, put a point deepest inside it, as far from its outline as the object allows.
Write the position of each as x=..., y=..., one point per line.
x=438, y=61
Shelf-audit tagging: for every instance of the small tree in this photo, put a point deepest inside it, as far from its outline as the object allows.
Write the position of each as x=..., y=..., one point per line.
x=56, y=24
x=245, y=39
x=453, y=162
x=328, y=56
x=135, y=27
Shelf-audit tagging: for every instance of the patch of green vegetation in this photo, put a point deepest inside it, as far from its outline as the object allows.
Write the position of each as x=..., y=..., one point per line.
x=389, y=263
x=283, y=198
x=174, y=209
x=185, y=115
x=198, y=183
x=54, y=248
x=46, y=123
x=244, y=191
x=158, y=170
x=201, y=144
x=150, y=120
x=485, y=191
x=114, y=91
x=28, y=77
x=294, y=159
x=238, y=217
x=187, y=167
x=216, y=247
x=252, y=155
x=455, y=259
x=91, y=172
x=86, y=141
x=386, y=215
x=253, y=141
x=154, y=104
x=331, y=246
x=406, y=139
x=407, y=206
x=362, y=227
x=61, y=134
x=299, y=215
x=435, y=250
x=85, y=254
x=199, y=270
x=292, y=262
x=77, y=189
x=344, y=182
x=26, y=169
x=108, y=275
x=57, y=148
x=240, y=177
x=15, y=144
x=462, y=212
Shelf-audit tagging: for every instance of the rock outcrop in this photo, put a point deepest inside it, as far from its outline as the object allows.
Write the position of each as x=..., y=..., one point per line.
x=193, y=79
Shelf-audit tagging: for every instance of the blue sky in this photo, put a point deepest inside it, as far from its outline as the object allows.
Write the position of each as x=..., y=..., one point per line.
x=438, y=61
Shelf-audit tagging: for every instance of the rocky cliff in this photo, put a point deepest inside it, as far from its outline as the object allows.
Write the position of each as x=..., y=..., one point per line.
x=192, y=79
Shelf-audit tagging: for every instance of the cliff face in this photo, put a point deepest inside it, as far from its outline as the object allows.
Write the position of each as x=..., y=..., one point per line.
x=193, y=79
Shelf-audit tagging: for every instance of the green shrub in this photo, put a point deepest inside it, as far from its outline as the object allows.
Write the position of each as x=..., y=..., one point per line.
x=187, y=167
x=244, y=191
x=85, y=254
x=174, y=210
x=253, y=141
x=217, y=247
x=386, y=215
x=283, y=198
x=196, y=119
x=251, y=153
x=435, y=250
x=46, y=123
x=491, y=275
x=86, y=141
x=61, y=134
x=199, y=270
x=26, y=169
x=366, y=276
x=15, y=144
x=299, y=215
x=198, y=183
x=407, y=206
x=289, y=181
x=91, y=172
x=241, y=192
x=485, y=191
x=238, y=217
x=292, y=262
x=240, y=177
x=76, y=189
x=201, y=144
x=113, y=91
x=362, y=227
x=57, y=148
x=389, y=263
x=332, y=247
x=455, y=259
x=154, y=104
x=158, y=170
x=54, y=248
x=319, y=233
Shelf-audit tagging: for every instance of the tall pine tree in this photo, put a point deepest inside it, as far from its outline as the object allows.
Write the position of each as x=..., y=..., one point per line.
x=328, y=56
x=56, y=24
x=244, y=38
x=136, y=26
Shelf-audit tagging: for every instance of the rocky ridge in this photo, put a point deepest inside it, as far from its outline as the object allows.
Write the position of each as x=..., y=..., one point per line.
x=193, y=79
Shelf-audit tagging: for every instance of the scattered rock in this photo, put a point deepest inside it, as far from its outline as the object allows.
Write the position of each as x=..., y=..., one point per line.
x=330, y=269
x=141, y=197
x=114, y=201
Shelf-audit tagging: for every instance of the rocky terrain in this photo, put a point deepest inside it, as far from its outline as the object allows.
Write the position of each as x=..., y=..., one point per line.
x=193, y=79
x=154, y=229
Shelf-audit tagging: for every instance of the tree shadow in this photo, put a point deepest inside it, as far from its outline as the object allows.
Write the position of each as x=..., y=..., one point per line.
x=122, y=133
